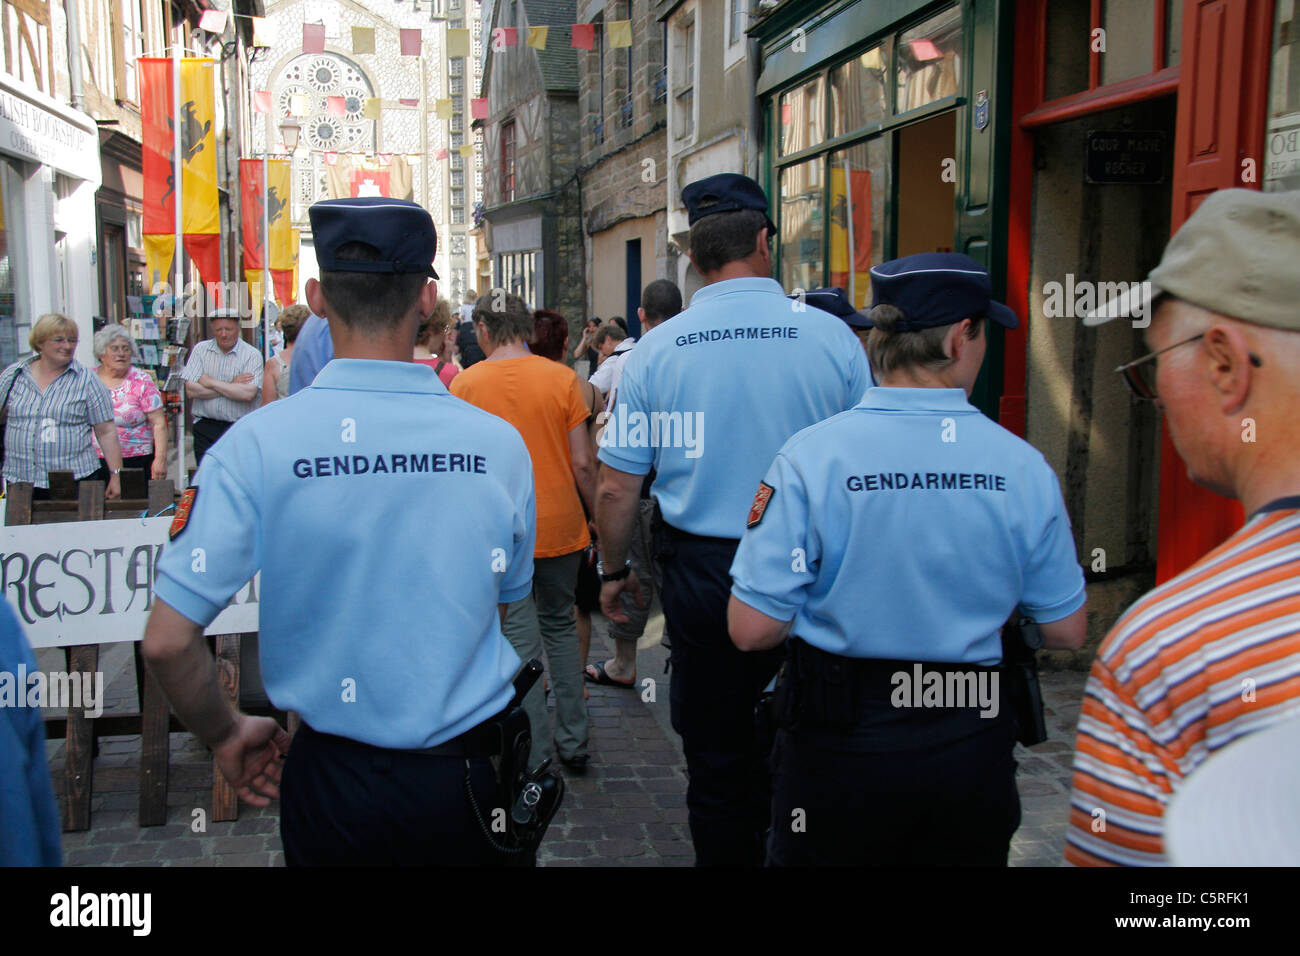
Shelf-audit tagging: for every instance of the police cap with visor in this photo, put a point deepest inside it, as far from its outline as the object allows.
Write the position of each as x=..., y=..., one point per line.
x=725, y=192
x=401, y=231
x=936, y=288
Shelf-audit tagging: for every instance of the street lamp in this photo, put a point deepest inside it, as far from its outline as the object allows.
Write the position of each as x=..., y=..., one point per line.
x=289, y=131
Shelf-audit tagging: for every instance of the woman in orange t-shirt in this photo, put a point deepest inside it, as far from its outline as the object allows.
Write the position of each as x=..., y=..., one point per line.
x=543, y=400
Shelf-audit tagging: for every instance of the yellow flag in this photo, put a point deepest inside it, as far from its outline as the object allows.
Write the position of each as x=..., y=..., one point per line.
x=537, y=37
x=254, y=279
x=263, y=33
x=363, y=39
x=372, y=107
x=278, y=214
x=619, y=33
x=457, y=43
x=298, y=104
x=158, y=252
x=198, y=147
x=467, y=150
x=442, y=109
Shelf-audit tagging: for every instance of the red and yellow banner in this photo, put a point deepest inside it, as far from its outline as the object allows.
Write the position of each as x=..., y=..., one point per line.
x=277, y=212
x=284, y=276
x=200, y=222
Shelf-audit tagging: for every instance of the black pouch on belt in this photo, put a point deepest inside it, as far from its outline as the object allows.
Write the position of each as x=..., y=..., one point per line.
x=829, y=689
x=661, y=539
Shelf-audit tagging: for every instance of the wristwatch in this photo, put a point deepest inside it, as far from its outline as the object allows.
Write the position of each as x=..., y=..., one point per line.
x=115, y=471
x=618, y=575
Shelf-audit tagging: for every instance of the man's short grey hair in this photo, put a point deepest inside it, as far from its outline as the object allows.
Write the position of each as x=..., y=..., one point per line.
x=110, y=334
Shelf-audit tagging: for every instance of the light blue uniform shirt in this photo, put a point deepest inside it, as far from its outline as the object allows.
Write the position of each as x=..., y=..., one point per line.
x=708, y=398
x=388, y=575
x=909, y=528
x=312, y=351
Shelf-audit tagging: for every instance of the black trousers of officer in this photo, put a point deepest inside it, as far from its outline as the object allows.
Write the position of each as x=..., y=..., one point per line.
x=206, y=432
x=713, y=692
x=345, y=803
x=902, y=787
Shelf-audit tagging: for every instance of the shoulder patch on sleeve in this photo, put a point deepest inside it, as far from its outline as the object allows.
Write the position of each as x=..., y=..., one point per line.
x=757, y=509
x=183, y=508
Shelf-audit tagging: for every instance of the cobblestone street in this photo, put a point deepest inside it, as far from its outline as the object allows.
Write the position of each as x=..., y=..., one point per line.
x=628, y=810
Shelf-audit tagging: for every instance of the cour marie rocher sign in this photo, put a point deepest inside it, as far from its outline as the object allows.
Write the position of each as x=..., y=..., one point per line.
x=91, y=582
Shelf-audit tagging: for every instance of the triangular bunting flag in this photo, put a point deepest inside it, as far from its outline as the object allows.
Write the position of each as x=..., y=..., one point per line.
x=336, y=105
x=363, y=39
x=537, y=37
x=457, y=43
x=439, y=154
x=213, y=21
x=263, y=32
x=619, y=33
x=261, y=101
x=409, y=101
x=442, y=109
x=503, y=37
x=411, y=42
x=331, y=159
x=298, y=104
x=479, y=108
x=584, y=36
x=372, y=107
x=467, y=149
x=313, y=38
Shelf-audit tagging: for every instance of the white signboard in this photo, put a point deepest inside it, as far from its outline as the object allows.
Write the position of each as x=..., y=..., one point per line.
x=91, y=582
x=33, y=130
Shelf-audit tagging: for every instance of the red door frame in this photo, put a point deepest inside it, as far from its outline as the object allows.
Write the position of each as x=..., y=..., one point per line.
x=1222, y=87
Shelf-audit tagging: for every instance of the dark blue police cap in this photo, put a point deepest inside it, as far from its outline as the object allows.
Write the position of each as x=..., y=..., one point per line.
x=402, y=232
x=835, y=301
x=725, y=192
x=937, y=288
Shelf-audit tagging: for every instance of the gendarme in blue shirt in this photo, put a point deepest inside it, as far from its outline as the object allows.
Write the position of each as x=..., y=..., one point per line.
x=708, y=398
x=389, y=519
x=312, y=351
x=909, y=528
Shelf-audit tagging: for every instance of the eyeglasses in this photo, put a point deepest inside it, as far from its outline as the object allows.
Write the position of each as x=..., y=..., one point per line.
x=1140, y=374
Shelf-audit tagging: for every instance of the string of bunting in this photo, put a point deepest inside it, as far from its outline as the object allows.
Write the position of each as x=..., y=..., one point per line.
x=582, y=36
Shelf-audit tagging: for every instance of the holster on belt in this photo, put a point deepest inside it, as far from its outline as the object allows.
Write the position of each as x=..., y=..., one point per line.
x=1021, y=639
x=815, y=690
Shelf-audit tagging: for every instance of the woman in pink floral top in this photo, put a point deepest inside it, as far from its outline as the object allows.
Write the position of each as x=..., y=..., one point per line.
x=137, y=404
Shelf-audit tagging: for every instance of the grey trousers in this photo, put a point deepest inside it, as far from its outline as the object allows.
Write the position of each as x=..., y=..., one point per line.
x=545, y=617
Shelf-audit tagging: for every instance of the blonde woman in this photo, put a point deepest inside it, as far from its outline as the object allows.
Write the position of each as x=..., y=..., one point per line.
x=53, y=403
x=275, y=377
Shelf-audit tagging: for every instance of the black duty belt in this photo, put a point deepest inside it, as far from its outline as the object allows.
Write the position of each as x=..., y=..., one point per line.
x=481, y=741
x=681, y=535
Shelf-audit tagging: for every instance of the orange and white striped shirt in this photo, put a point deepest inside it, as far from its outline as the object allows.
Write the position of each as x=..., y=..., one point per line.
x=1208, y=657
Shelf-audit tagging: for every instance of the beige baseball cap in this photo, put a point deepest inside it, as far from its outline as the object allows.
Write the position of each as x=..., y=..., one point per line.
x=1238, y=255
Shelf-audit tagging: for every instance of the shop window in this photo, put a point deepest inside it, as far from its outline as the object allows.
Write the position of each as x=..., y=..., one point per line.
x=859, y=183
x=803, y=116
x=802, y=262
x=1129, y=27
x=1282, y=139
x=858, y=96
x=15, y=320
x=929, y=61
